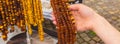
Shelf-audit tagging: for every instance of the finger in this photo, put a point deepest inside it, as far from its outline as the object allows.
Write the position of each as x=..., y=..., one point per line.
x=84, y=11
x=81, y=27
x=53, y=18
x=79, y=7
x=75, y=7
x=54, y=22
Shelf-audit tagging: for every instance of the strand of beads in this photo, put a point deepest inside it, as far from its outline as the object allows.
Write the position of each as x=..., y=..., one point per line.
x=39, y=19
x=33, y=16
x=3, y=21
x=65, y=22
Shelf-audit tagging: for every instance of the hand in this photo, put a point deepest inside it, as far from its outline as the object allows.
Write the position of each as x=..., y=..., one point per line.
x=85, y=17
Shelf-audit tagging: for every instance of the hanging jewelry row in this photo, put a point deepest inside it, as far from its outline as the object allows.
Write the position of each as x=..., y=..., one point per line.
x=22, y=13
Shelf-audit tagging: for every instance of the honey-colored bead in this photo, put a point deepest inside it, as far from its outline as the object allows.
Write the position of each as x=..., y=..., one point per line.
x=1, y=27
x=4, y=37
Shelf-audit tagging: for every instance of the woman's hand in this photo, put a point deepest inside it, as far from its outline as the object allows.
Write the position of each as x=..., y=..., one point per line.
x=85, y=17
